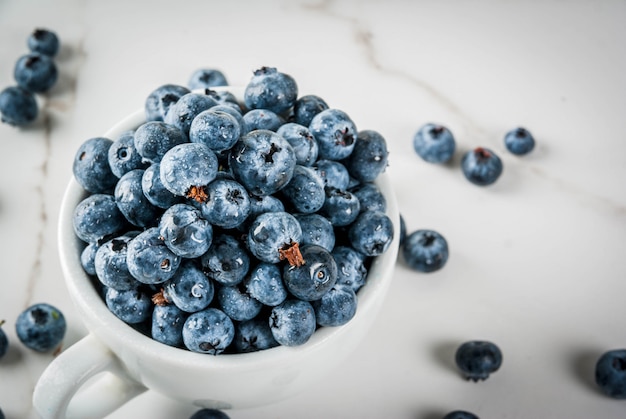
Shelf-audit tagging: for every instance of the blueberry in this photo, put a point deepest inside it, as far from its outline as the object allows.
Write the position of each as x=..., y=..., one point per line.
x=41, y=327
x=97, y=217
x=316, y=229
x=519, y=141
x=131, y=306
x=153, y=139
x=110, y=263
x=477, y=359
x=434, y=143
x=256, y=119
x=369, y=156
x=302, y=141
x=91, y=166
x=610, y=373
x=88, y=258
x=225, y=100
x=233, y=110
x=148, y=258
x=237, y=303
x=335, y=133
x=292, y=322
x=265, y=203
x=185, y=231
x=43, y=41
x=182, y=113
x=340, y=207
x=254, y=335
x=370, y=197
x=132, y=202
x=333, y=173
x=35, y=72
x=272, y=235
x=425, y=250
x=209, y=414
x=208, y=331
x=226, y=261
x=189, y=289
x=371, y=233
x=186, y=170
x=123, y=156
x=481, y=166
x=4, y=341
x=216, y=129
x=155, y=191
x=262, y=161
x=18, y=106
x=305, y=191
x=460, y=414
x=227, y=204
x=272, y=90
x=161, y=99
x=204, y=78
x=306, y=107
x=265, y=283
x=351, y=271
x=311, y=280
x=337, y=307
x=167, y=325
x=402, y=230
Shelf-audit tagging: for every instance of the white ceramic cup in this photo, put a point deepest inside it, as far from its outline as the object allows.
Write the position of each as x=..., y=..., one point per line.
x=119, y=363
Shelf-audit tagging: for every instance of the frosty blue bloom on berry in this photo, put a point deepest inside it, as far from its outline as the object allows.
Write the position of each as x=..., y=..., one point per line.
x=519, y=141
x=425, y=250
x=91, y=166
x=131, y=306
x=189, y=289
x=272, y=90
x=153, y=139
x=337, y=307
x=18, y=106
x=41, y=327
x=335, y=134
x=610, y=373
x=159, y=101
x=311, y=280
x=110, y=263
x=256, y=119
x=237, y=303
x=204, y=78
x=265, y=283
x=167, y=325
x=185, y=232
x=35, y=72
x=292, y=322
x=43, y=41
x=208, y=331
x=369, y=156
x=270, y=233
x=148, y=258
x=371, y=233
x=477, y=359
x=132, y=202
x=481, y=166
x=434, y=143
x=123, y=156
x=186, y=170
x=97, y=217
x=226, y=261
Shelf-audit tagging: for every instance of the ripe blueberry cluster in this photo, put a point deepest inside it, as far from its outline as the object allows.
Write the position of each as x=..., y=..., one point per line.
x=34, y=72
x=227, y=227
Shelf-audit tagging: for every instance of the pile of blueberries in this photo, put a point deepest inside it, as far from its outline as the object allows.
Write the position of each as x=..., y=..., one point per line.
x=35, y=72
x=227, y=227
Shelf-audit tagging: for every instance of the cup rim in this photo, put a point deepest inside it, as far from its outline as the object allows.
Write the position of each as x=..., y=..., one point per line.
x=87, y=299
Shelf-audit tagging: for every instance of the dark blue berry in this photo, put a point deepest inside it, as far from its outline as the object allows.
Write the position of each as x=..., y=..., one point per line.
x=189, y=289
x=35, y=72
x=167, y=324
x=226, y=261
x=434, y=143
x=302, y=141
x=333, y=173
x=97, y=217
x=237, y=303
x=425, y=250
x=183, y=112
x=91, y=166
x=610, y=373
x=311, y=280
x=337, y=307
x=208, y=331
x=41, y=327
x=271, y=233
x=155, y=191
x=153, y=139
x=209, y=414
x=131, y=306
x=88, y=258
x=4, y=341
x=481, y=166
x=460, y=414
x=159, y=101
x=18, y=106
x=340, y=207
x=477, y=359
x=351, y=271
x=370, y=197
x=272, y=90
x=519, y=141
x=187, y=169
x=369, y=156
x=256, y=119
x=265, y=283
x=43, y=41
x=185, y=232
x=316, y=229
x=204, y=78
x=149, y=260
x=305, y=191
x=335, y=133
x=306, y=107
x=371, y=233
x=292, y=322
x=123, y=156
x=216, y=129
x=227, y=204
x=132, y=202
x=110, y=263
x=402, y=230
x=254, y=335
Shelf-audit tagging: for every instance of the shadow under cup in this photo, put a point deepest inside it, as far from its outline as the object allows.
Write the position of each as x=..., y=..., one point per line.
x=222, y=381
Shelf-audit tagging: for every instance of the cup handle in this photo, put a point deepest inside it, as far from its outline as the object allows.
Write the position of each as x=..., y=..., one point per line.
x=54, y=393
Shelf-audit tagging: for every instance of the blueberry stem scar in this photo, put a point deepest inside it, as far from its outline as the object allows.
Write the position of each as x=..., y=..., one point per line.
x=198, y=193
x=291, y=252
x=159, y=298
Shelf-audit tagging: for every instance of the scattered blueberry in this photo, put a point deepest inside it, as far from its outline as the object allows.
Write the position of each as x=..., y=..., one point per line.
x=425, y=250
x=204, y=78
x=272, y=90
x=434, y=143
x=402, y=230
x=292, y=322
x=610, y=373
x=477, y=359
x=460, y=414
x=41, y=327
x=44, y=41
x=209, y=414
x=481, y=166
x=208, y=331
x=35, y=72
x=18, y=106
x=4, y=341
x=519, y=141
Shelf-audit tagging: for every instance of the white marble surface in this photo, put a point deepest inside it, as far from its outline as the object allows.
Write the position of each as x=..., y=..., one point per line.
x=537, y=261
